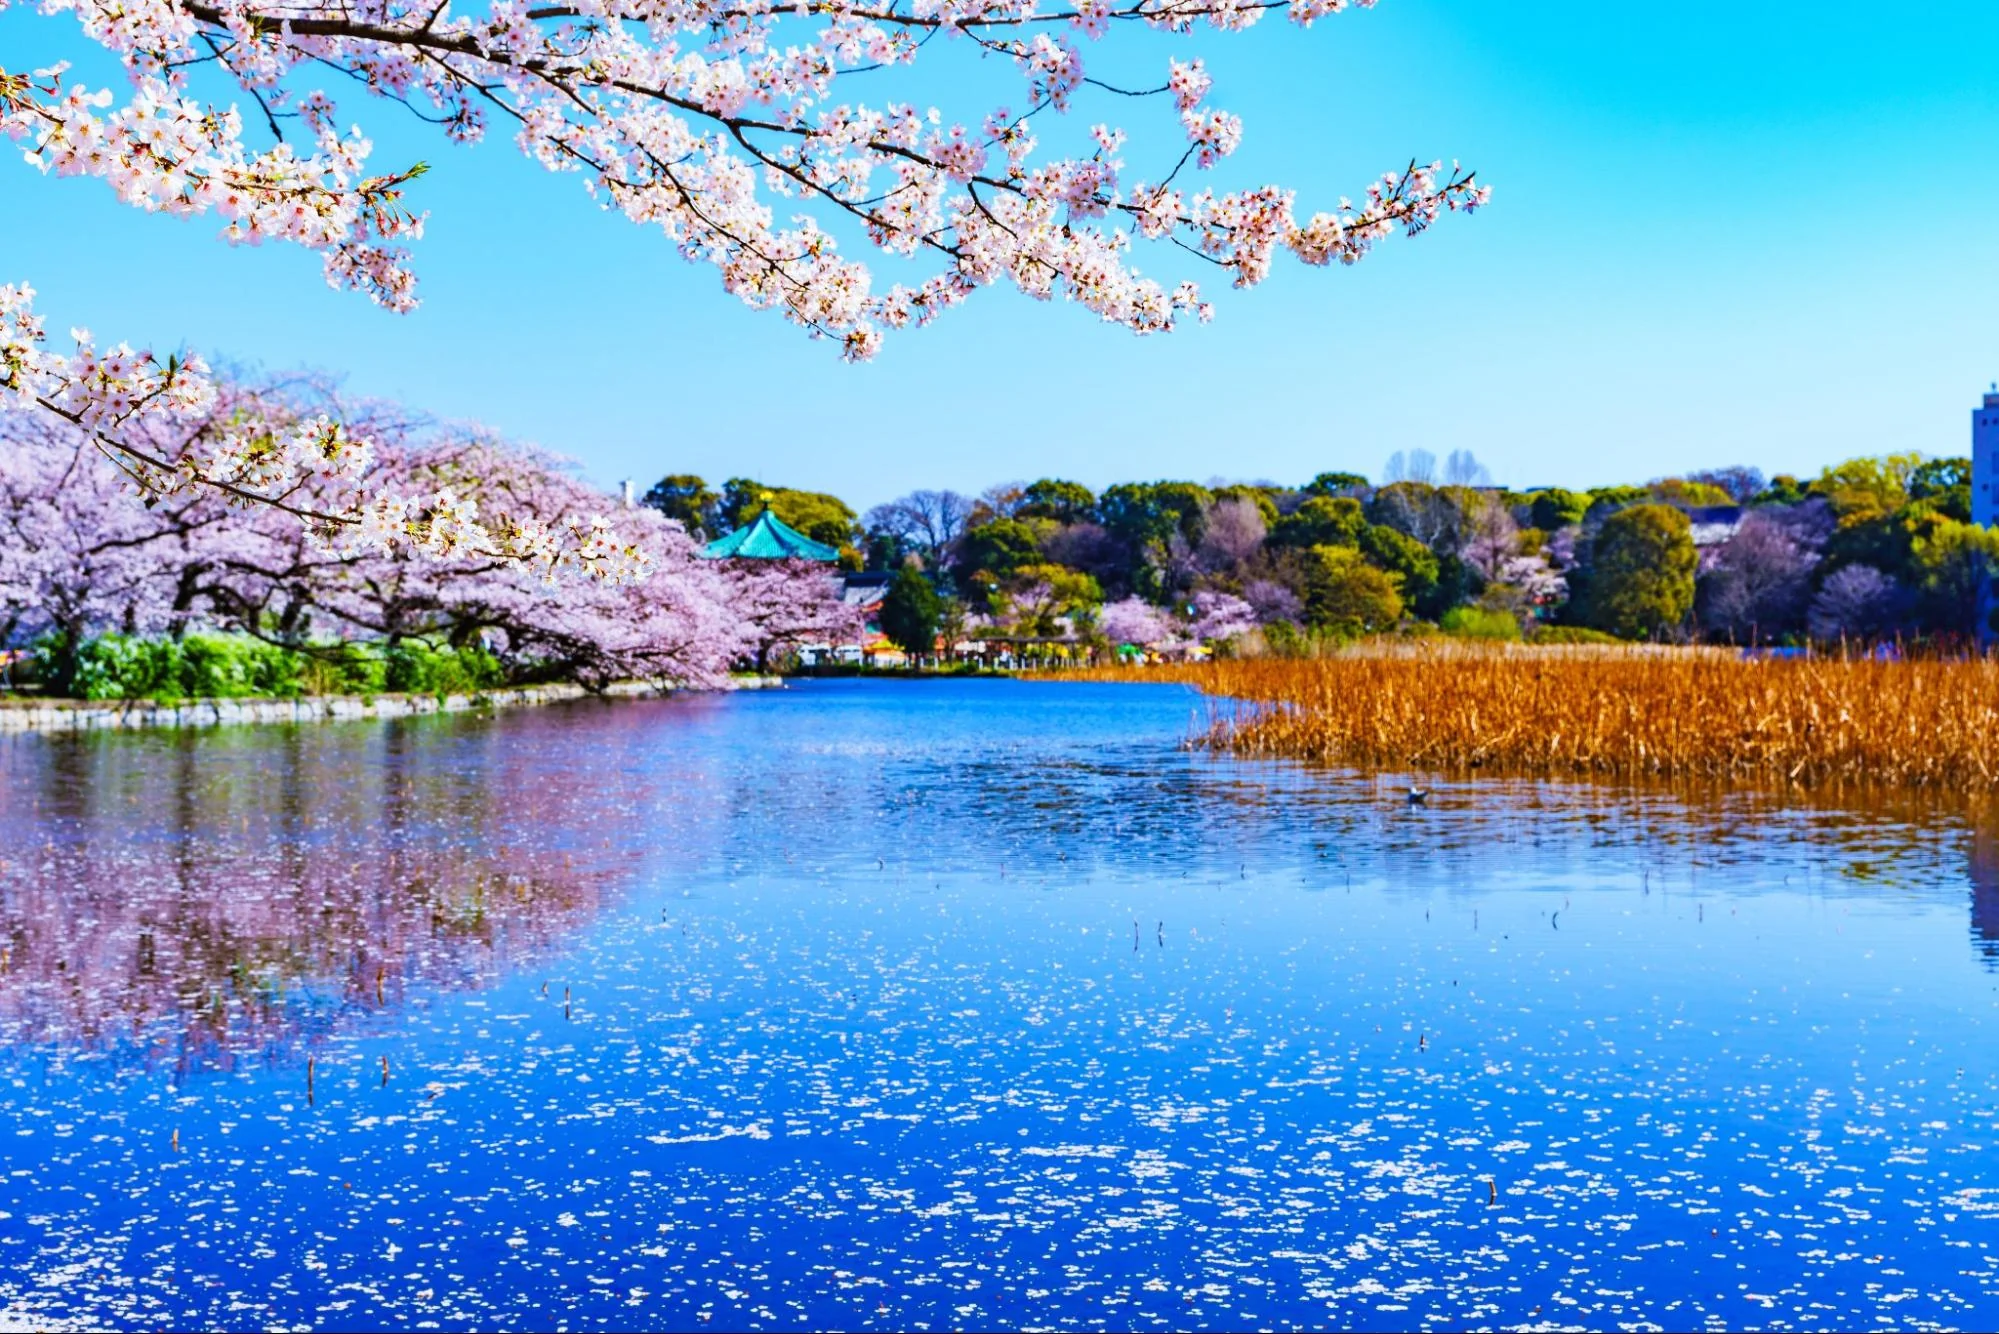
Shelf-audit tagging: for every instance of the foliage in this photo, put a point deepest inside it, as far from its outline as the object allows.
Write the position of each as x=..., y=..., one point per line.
x=1555, y=508
x=1063, y=502
x=688, y=501
x=1322, y=521
x=1946, y=485
x=1739, y=483
x=1346, y=595
x=1481, y=623
x=1950, y=564
x=411, y=666
x=1148, y=515
x=1335, y=484
x=995, y=551
x=1412, y=563
x=212, y=666
x=911, y=612
x=821, y=517
x=1605, y=500
x=1688, y=493
x=1784, y=489
x=1046, y=601
x=1867, y=489
x=1641, y=582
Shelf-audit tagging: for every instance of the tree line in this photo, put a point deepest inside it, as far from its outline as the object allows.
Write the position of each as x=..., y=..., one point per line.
x=1869, y=548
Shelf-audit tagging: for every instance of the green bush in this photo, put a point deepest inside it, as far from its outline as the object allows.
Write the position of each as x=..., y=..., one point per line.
x=1481, y=623
x=116, y=666
x=414, y=667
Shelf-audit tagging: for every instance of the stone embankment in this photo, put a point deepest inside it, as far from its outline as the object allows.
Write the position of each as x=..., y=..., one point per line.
x=28, y=714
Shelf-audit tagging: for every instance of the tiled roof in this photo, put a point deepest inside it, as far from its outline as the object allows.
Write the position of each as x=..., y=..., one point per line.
x=768, y=537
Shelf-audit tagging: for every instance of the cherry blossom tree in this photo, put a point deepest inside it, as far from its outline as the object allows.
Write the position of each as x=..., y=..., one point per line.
x=737, y=128
x=78, y=557
x=1218, y=615
x=787, y=604
x=1133, y=620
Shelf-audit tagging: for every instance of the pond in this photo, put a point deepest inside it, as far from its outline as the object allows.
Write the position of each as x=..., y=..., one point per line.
x=984, y=1003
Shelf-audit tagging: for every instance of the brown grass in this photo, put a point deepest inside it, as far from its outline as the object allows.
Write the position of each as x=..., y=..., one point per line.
x=1626, y=713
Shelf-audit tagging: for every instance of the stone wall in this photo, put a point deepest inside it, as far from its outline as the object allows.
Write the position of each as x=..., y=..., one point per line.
x=69, y=715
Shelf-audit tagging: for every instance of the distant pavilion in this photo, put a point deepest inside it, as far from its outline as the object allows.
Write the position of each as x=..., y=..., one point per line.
x=768, y=537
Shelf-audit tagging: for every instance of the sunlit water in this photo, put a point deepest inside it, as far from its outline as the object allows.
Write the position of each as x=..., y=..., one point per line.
x=986, y=1004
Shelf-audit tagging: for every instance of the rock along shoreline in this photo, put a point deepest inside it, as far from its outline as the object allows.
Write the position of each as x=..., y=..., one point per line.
x=74, y=715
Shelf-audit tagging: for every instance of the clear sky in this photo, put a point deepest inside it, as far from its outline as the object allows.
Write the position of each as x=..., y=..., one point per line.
x=1759, y=233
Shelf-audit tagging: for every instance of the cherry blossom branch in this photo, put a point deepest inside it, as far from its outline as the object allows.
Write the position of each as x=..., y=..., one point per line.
x=103, y=392
x=616, y=89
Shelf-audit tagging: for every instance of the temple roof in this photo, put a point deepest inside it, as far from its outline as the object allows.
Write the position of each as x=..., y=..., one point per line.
x=768, y=537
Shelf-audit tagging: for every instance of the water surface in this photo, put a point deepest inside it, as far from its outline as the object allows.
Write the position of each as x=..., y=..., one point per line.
x=980, y=1003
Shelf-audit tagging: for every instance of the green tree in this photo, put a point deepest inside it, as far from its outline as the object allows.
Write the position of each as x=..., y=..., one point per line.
x=1865, y=490
x=1263, y=497
x=911, y=611
x=1607, y=499
x=684, y=497
x=995, y=550
x=821, y=517
x=1949, y=562
x=1037, y=597
x=1414, y=565
x=1064, y=502
x=1346, y=595
x=1640, y=581
x=1688, y=494
x=1784, y=489
x=1945, y=484
x=1335, y=484
x=1322, y=521
x=1144, y=514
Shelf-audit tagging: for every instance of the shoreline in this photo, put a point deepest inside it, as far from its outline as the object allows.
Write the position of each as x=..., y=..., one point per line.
x=78, y=715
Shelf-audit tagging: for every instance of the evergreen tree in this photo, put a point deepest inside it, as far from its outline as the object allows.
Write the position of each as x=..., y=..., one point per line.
x=911, y=611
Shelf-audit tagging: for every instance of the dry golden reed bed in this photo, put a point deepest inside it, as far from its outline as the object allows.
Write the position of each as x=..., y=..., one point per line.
x=1636, y=713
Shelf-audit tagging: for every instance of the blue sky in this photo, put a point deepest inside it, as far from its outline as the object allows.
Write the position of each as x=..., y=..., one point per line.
x=1761, y=233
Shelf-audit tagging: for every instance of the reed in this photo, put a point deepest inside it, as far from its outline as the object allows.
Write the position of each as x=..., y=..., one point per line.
x=1639, y=713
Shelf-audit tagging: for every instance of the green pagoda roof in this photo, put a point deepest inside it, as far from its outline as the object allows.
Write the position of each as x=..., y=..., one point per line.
x=768, y=537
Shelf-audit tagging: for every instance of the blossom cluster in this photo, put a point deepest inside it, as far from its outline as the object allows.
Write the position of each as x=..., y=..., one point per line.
x=696, y=117
x=78, y=557
x=311, y=468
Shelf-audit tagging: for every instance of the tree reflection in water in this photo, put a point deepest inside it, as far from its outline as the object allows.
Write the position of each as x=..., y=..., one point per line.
x=1984, y=873
x=198, y=897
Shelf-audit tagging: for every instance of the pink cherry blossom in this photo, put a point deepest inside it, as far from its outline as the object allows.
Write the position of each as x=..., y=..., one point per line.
x=692, y=118
x=78, y=557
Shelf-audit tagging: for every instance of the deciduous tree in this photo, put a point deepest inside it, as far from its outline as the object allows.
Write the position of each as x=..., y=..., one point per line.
x=1641, y=573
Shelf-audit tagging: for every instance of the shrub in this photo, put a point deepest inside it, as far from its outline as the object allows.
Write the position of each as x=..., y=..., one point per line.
x=1481, y=623
x=232, y=666
x=414, y=667
x=118, y=666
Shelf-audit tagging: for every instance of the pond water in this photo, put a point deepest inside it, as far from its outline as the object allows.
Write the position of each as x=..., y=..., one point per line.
x=969, y=1004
